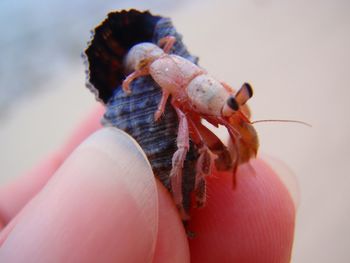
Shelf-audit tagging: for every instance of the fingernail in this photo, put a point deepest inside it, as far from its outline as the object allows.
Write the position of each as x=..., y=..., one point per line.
x=100, y=206
x=127, y=154
x=113, y=142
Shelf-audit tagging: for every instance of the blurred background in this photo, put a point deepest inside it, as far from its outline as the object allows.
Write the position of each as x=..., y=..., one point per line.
x=295, y=53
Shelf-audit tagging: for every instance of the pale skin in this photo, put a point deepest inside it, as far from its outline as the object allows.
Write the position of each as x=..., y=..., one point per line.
x=66, y=209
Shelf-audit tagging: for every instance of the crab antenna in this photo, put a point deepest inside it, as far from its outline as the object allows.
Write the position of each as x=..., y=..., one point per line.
x=293, y=121
x=244, y=94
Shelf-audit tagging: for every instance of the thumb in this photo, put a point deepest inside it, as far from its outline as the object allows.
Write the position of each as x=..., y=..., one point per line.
x=100, y=206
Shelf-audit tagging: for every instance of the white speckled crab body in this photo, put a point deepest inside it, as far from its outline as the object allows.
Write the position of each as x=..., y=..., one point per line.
x=180, y=77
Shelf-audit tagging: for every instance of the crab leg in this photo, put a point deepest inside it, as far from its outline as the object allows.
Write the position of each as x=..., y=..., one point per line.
x=136, y=74
x=161, y=105
x=203, y=165
x=235, y=138
x=179, y=158
x=235, y=141
x=223, y=162
x=167, y=43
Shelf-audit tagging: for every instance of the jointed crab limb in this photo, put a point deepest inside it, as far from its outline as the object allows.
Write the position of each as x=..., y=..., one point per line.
x=136, y=74
x=167, y=43
x=203, y=165
x=161, y=105
x=235, y=143
x=201, y=192
x=235, y=138
x=179, y=158
x=223, y=162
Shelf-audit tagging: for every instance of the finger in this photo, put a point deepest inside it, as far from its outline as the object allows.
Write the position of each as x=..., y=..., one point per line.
x=16, y=194
x=172, y=244
x=100, y=206
x=253, y=223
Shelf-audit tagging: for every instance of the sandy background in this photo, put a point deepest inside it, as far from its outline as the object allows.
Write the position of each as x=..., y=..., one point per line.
x=296, y=54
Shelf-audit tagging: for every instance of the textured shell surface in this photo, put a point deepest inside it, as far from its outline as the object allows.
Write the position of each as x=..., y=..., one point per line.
x=134, y=113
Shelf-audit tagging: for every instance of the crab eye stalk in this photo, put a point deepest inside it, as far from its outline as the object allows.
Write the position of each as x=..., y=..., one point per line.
x=244, y=94
x=232, y=103
x=230, y=107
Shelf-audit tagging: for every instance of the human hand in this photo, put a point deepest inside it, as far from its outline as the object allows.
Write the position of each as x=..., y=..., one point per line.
x=101, y=203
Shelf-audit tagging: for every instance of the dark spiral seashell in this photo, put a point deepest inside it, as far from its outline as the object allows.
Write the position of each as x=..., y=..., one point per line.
x=135, y=113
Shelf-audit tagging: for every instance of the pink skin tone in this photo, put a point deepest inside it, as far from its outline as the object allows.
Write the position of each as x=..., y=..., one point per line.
x=101, y=203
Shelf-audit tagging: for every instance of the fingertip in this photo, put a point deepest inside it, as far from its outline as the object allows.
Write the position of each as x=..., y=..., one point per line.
x=253, y=223
x=100, y=206
x=14, y=195
x=172, y=244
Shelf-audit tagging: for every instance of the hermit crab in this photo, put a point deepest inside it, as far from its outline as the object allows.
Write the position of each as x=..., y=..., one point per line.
x=154, y=90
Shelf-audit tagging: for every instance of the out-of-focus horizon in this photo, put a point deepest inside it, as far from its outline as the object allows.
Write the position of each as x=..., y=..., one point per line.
x=295, y=54
x=38, y=40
